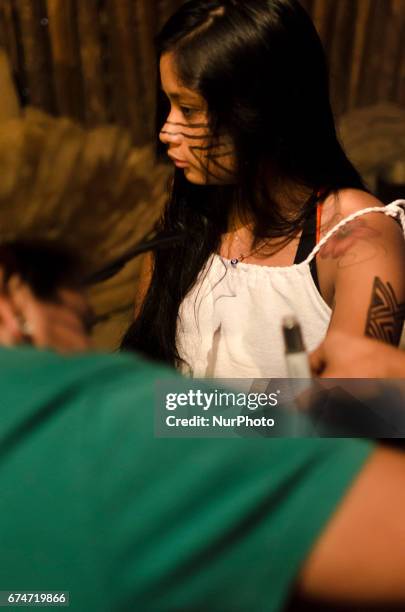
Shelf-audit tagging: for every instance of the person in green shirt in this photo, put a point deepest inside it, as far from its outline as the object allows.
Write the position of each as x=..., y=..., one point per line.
x=93, y=503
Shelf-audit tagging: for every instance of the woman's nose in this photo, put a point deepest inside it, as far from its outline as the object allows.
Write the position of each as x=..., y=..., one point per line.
x=170, y=134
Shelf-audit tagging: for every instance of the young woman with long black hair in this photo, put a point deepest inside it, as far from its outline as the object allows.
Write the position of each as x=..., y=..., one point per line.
x=274, y=217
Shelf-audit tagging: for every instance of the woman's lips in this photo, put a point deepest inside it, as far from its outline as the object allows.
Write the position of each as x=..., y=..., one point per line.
x=179, y=163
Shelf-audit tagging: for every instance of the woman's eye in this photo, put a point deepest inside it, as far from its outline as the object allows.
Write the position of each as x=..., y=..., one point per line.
x=187, y=112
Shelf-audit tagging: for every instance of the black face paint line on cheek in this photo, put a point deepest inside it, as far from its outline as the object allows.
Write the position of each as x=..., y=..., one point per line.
x=211, y=147
x=189, y=125
x=181, y=134
x=208, y=159
x=211, y=157
x=174, y=131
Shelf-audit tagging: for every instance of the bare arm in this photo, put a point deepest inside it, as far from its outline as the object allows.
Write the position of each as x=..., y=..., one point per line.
x=367, y=261
x=360, y=557
x=344, y=356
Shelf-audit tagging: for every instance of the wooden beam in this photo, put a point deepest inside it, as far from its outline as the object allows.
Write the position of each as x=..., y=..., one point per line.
x=400, y=72
x=392, y=50
x=34, y=42
x=62, y=16
x=322, y=15
x=125, y=68
x=9, y=104
x=373, y=49
x=9, y=33
x=90, y=46
x=362, y=21
x=146, y=52
x=341, y=53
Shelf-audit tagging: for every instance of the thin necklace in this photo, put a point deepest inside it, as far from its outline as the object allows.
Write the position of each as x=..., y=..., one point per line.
x=236, y=260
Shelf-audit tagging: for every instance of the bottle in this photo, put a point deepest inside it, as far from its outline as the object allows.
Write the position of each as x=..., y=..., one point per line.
x=295, y=354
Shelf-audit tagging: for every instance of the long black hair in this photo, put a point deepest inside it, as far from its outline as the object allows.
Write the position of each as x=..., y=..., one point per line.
x=261, y=68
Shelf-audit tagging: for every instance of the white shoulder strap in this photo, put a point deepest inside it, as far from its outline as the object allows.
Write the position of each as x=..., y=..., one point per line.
x=395, y=209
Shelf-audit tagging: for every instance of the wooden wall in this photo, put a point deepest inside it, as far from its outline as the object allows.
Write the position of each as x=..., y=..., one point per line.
x=93, y=60
x=365, y=44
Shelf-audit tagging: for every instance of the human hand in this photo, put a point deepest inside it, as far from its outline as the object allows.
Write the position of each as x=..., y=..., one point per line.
x=61, y=325
x=345, y=356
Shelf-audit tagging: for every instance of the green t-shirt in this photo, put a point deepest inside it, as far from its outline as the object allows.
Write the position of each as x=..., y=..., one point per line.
x=92, y=503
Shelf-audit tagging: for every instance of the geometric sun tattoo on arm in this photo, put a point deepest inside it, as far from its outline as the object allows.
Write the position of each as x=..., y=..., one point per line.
x=385, y=315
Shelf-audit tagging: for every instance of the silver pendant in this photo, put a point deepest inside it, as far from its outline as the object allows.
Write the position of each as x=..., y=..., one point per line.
x=234, y=262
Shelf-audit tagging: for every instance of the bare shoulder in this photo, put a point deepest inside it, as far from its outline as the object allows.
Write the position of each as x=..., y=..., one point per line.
x=371, y=238
x=349, y=201
x=346, y=202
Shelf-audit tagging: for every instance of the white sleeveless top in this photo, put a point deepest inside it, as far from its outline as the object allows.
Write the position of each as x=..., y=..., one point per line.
x=229, y=324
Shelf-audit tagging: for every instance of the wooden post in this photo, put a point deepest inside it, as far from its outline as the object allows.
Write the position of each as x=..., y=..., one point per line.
x=37, y=65
x=340, y=53
x=374, y=45
x=399, y=92
x=392, y=50
x=126, y=81
x=323, y=13
x=9, y=106
x=362, y=21
x=3, y=41
x=400, y=86
x=66, y=57
x=9, y=33
x=95, y=103
x=146, y=53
